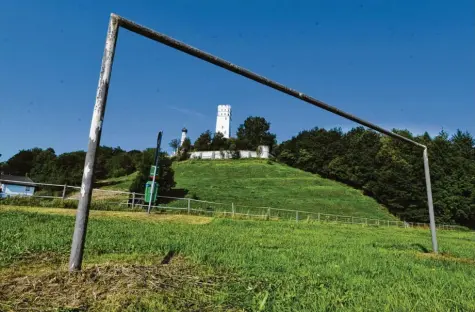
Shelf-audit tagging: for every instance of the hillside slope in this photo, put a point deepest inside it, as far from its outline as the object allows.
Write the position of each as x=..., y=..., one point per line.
x=268, y=184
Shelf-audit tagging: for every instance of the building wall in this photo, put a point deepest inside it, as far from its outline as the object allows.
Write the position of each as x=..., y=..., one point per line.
x=264, y=153
x=223, y=120
x=13, y=190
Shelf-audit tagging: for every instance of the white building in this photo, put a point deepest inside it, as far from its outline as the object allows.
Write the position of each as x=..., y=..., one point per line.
x=16, y=186
x=262, y=152
x=223, y=120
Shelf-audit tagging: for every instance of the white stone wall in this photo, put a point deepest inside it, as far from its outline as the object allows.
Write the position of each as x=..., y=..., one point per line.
x=227, y=154
x=223, y=120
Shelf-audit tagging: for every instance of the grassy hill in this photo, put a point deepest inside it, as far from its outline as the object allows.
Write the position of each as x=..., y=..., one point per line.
x=144, y=263
x=259, y=183
x=268, y=184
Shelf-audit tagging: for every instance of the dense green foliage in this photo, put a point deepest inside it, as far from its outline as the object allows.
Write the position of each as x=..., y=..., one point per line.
x=166, y=178
x=44, y=166
x=252, y=133
x=203, y=142
x=392, y=171
x=263, y=183
x=265, y=266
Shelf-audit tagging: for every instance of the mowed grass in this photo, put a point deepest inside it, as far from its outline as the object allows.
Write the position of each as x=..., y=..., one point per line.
x=269, y=184
x=230, y=265
x=113, y=184
x=117, y=184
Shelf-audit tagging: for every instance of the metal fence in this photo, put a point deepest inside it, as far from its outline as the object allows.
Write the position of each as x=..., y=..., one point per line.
x=55, y=195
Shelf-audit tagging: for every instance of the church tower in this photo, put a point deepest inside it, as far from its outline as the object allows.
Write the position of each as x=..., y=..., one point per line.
x=223, y=120
x=183, y=135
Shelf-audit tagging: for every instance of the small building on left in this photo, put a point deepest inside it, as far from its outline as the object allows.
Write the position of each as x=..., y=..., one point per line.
x=11, y=185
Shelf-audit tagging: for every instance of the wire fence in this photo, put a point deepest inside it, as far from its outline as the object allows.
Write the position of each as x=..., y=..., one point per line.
x=66, y=196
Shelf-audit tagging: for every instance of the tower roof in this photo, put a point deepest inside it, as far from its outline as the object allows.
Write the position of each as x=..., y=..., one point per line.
x=184, y=130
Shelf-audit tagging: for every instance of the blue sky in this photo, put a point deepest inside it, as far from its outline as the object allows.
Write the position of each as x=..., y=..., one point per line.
x=403, y=64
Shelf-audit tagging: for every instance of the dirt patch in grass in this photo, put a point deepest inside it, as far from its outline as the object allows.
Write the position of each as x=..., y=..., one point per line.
x=175, y=284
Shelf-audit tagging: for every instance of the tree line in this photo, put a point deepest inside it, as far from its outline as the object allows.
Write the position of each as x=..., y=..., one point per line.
x=392, y=171
x=44, y=166
x=255, y=131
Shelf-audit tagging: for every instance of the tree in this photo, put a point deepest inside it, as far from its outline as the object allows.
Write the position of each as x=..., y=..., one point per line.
x=203, y=142
x=254, y=132
x=174, y=144
x=166, y=175
x=136, y=157
x=219, y=142
x=44, y=165
x=69, y=168
x=22, y=162
x=355, y=164
x=233, y=148
x=391, y=170
x=120, y=165
x=184, y=150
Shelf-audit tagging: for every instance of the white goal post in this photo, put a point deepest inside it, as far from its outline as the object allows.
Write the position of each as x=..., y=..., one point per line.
x=115, y=22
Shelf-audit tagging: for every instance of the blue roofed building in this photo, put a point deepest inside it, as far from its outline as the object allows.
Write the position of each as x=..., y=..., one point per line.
x=11, y=185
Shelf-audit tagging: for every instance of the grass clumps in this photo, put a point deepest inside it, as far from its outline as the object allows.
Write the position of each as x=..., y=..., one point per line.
x=125, y=285
x=236, y=265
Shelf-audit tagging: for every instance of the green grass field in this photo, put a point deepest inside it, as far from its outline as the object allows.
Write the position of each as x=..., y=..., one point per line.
x=269, y=184
x=134, y=264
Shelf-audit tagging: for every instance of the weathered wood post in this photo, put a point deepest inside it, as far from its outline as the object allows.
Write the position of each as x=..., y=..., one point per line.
x=64, y=192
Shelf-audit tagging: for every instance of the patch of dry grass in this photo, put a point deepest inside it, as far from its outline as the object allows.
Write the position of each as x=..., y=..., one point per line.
x=445, y=257
x=42, y=283
x=141, y=216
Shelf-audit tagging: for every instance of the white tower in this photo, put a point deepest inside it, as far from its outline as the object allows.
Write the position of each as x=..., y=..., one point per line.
x=223, y=121
x=183, y=135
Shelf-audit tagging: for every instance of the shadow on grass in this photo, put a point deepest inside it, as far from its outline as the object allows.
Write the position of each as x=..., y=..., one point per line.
x=421, y=248
x=168, y=257
x=177, y=193
x=106, y=183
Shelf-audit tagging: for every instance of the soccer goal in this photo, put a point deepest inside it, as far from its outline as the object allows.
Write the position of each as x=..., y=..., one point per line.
x=115, y=23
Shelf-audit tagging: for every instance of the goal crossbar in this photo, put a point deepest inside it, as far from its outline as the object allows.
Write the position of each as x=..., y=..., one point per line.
x=115, y=23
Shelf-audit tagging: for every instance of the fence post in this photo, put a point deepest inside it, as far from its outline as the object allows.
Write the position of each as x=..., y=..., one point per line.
x=64, y=192
x=268, y=213
x=352, y=220
x=232, y=209
x=318, y=217
x=133, y=200
x=388, y=223
x=366, y=221
x=296, y=216
x=189, y=206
